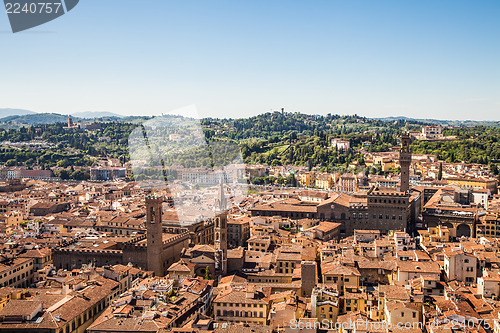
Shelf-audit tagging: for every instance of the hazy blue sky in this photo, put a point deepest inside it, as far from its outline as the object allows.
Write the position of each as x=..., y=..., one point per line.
x=425, y=59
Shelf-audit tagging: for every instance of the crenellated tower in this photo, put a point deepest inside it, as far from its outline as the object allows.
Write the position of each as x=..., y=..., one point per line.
x=154, y=233
x=405, y=161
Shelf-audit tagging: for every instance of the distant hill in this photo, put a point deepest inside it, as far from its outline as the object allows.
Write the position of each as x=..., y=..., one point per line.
x=17, y=121
x=35, y=119
x=276, y=123
x=14, y=112
x=467, y=123
x=396, y=118
x=96, y=114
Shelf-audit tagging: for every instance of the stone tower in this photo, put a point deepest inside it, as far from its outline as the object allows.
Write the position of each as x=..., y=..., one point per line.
x=220, y=238
x=309, y=277
x=154, y=234
x=70, y=122
x=405, y=161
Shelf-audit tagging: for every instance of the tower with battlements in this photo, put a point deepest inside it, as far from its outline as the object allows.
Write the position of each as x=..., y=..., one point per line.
x=154, y=235
x=405, y=161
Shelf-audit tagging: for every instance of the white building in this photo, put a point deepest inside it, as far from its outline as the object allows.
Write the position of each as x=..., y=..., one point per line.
x=432, y=132
x=403, y=241
x=341, y=144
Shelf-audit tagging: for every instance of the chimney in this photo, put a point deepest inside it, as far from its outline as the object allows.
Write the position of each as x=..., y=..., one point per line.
x=250, y=292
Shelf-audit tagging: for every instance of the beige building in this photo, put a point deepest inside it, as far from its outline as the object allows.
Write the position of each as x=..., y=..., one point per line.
x=403, y=312
x=41, y=257
x=409, y=270
x=327, y=231
x=12, y=218
x=388, y=294
x=383, y=246
x=286, y=262
x=348, y=183
x=488, y=287
x=242, y=304
x=181, y=270
x=259, y=243
x=68, y=311
x=460, y=266
x=345, y=277
x=17, y=272
x=238, y=231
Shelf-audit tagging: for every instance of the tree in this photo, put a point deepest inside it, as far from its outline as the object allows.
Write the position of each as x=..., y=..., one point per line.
x=207, y=274
x=64, y=174
x=494, y=169
x=290, y=180
x=10, y=162
x=64, y=163
x=80, y=175
x=440, y=173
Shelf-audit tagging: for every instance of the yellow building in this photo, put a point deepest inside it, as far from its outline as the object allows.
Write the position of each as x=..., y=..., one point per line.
x=11, y=218
x=306, y=179
x=242, y=305
x=440, y=234
x=286, y=262
x=324, y=181
x=385, y=160
x=346, y=277
x=470, y=183
x=491, y=224
x=355, y=301
x=259, y=243
x=325, y=303
x=285, y=307
x=6, y=294
x=388, y=164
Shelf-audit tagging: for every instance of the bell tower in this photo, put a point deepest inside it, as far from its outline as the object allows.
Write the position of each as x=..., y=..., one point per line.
x=220, y=238
x=405, y=161
x=154, y=233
